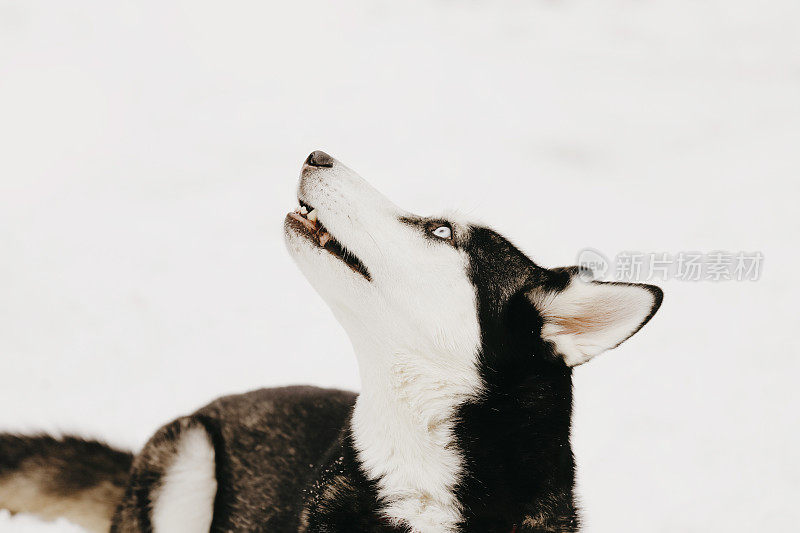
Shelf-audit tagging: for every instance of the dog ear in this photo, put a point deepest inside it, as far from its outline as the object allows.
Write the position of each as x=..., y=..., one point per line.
x=584, y=318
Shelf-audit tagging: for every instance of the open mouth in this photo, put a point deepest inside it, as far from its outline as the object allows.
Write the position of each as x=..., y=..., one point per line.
x=304, y=220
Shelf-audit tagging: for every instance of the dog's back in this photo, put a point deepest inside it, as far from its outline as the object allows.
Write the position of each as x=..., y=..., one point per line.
x=266, y=446
x=269, y=444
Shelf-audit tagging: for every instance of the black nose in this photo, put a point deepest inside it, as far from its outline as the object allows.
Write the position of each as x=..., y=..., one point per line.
x=318, y=158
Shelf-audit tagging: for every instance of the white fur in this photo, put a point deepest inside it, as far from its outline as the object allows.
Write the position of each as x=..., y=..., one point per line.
x=588, y=318
x=415, y=332
x=403, y=425
x=185, y=501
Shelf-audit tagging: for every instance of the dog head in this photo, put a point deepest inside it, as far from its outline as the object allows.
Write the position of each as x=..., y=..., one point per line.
x=453, y=292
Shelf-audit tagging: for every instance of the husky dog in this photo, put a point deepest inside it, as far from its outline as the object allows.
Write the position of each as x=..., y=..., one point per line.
x=465, y=348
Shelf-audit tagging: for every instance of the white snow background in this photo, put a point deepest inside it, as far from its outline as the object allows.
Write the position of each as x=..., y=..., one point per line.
x=149, y=151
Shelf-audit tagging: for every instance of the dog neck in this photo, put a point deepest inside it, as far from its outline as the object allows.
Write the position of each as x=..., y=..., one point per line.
x=403, y=431
x=516, y=439
x=421, y=419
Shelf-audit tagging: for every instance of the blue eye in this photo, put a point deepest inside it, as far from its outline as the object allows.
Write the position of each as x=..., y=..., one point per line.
x=443, y=232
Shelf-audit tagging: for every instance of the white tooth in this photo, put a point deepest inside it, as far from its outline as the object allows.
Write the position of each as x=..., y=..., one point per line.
x=312, y=215
x=303, y=210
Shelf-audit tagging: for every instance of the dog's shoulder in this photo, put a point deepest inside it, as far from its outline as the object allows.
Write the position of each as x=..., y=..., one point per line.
x=341, y=497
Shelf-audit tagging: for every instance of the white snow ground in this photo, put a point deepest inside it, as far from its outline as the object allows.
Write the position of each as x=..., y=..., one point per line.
x=149, y=151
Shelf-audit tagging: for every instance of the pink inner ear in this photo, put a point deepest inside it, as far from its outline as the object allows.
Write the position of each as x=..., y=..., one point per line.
x=592, y=319
x=593, y=316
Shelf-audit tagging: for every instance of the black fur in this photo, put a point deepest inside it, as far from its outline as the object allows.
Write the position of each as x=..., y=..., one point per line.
x=269, y=446
x=72, y=464
x=83, y=480
x=520, y=468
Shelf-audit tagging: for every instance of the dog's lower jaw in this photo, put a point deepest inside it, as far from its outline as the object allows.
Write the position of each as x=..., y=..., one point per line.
x=403, y=433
